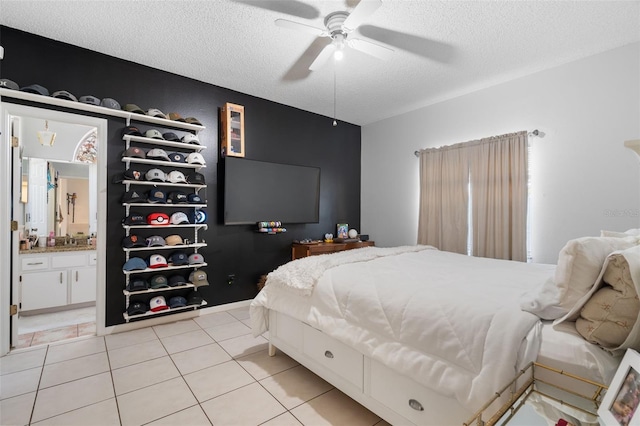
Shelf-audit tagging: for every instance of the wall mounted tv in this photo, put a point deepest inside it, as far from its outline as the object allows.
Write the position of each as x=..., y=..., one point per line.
x=257, y=191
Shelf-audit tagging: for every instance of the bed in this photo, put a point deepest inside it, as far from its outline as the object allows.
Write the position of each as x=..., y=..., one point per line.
x=419, y=335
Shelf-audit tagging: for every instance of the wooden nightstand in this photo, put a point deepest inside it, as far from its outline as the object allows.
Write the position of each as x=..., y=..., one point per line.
x=299, y=250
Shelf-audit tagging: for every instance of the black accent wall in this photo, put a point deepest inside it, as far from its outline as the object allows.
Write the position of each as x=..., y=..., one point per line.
x=274, y=132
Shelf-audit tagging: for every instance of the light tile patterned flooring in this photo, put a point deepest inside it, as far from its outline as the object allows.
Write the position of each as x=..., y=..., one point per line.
x=203, y=371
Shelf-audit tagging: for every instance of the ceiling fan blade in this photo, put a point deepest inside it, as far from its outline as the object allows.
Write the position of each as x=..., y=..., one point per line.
x=300, y=68
x=361, y=13
x=289, y=7
x=323, y=57
x=320, y=32
x=373, y=49
x=432, y=49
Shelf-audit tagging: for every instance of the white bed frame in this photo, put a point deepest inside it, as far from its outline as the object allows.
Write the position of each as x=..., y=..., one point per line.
x=396, y=398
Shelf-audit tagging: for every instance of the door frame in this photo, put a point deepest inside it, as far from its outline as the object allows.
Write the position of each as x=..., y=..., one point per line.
x=10, y=239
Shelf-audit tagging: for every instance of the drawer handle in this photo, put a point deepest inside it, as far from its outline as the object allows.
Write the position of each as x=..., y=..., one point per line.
x=35, y=263
x=76, y=276
x=60, y=277
x=328, y=354
x=415, y=405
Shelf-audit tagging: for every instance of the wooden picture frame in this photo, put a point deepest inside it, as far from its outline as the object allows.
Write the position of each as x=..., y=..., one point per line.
x=620, y=403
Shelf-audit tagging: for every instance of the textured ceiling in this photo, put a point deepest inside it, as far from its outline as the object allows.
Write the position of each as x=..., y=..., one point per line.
x=442, y=48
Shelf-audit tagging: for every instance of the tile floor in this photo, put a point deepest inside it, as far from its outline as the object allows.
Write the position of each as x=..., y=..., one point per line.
x=203, y=371
x=34, y=330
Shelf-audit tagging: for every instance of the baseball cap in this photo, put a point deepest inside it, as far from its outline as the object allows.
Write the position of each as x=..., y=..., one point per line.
x=170, y=136
x=158, y=281
x=137, y=308
x=191, y=138
x=138, y=284
x=196, y=178
x=5, y=83
x=88, y=99
x=194, y=199
x=134, y=151
x=177, y=157
x=177, y=197
x=156, y=175
x=158, y=219
x=131, y=130
x=134, y=219
x=173, y=240
x=135, y=264
x=110, y=103
x=193, y=298
x=155, y=241
x=177, y=302
x=155, y=112
x=195, y=259
x=179, y=217
x=176, y=176
x=158, y=303
x=157, y=261
x=175, y=117
x=158, y=153
x=37, y=89
x=133, y=108
x=176, y=280
x=198, y=278
x=193, y=120
x=179, y=258
x=133, y=196
x=199, y=216
x=157, y=196
x=133, y=241
x=63, y=94
x=128, y=174
x=153, y=134
x=195, y=158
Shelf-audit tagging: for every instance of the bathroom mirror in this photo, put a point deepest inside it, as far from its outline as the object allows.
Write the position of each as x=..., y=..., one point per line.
x=58, y=163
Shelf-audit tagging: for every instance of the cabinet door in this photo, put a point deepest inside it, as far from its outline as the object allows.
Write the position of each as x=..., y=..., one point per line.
x=83, y=285
x=44, y=290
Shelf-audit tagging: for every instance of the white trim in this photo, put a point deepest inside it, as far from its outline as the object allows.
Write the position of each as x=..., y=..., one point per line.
x=6, y=250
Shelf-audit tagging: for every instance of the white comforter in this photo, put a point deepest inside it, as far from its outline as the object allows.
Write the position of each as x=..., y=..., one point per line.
x=451, y=322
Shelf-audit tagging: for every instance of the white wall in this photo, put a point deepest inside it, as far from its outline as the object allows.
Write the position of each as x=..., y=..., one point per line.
x=583, y=178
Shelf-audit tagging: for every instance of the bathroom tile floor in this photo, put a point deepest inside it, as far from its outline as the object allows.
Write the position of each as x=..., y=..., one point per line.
x=202, y=371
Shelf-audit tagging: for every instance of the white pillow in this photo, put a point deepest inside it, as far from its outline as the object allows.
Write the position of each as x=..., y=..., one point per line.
x=635, y=232
x=579, y=264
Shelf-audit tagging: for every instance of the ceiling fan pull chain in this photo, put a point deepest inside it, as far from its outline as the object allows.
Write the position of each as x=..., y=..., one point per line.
x=335, y=65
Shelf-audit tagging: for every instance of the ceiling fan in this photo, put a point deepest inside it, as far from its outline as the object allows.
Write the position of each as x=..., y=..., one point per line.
x=338, y=26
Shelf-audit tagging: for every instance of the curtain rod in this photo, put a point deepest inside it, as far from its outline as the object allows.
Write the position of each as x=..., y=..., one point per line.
x=534, y=132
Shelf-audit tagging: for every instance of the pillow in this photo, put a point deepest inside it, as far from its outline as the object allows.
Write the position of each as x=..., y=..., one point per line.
x=579, y=265
x=609, y=315
x=634, y=232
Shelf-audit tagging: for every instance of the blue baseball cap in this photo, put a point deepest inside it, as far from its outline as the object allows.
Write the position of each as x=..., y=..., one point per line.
x=134, y=264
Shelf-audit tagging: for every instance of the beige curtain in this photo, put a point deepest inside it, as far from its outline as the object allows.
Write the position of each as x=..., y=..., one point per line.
x=499, y=197
x=495, y=171
x=444, y=182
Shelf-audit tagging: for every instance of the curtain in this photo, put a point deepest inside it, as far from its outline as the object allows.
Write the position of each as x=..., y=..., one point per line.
x=476, y=191
x=444, y=197
x=498, y=178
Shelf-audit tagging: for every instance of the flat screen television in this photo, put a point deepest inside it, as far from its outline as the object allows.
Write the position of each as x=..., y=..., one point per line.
x=256, y=191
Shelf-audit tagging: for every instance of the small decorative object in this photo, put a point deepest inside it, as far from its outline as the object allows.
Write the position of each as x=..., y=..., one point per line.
x=271, y=227
x=328, y=238
x=353, y=233
x=343, y=230
x=619, y=404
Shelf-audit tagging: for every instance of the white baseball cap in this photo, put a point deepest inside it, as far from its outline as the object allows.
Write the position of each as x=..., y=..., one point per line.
x=179, y=217
x=193, y=158
x=191, y=138
x=176, y=176
x=155, y=175
x=158, y=153
x=154, y=134
x=158, y=303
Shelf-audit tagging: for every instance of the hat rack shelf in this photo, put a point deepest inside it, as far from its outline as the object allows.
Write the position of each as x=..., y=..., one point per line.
x=128, y=317
x=162, y=163
x=157, y=290
x=194, y=246
x=142, y=139
x=147, y=295
x=100, y=110
x=166, y=268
